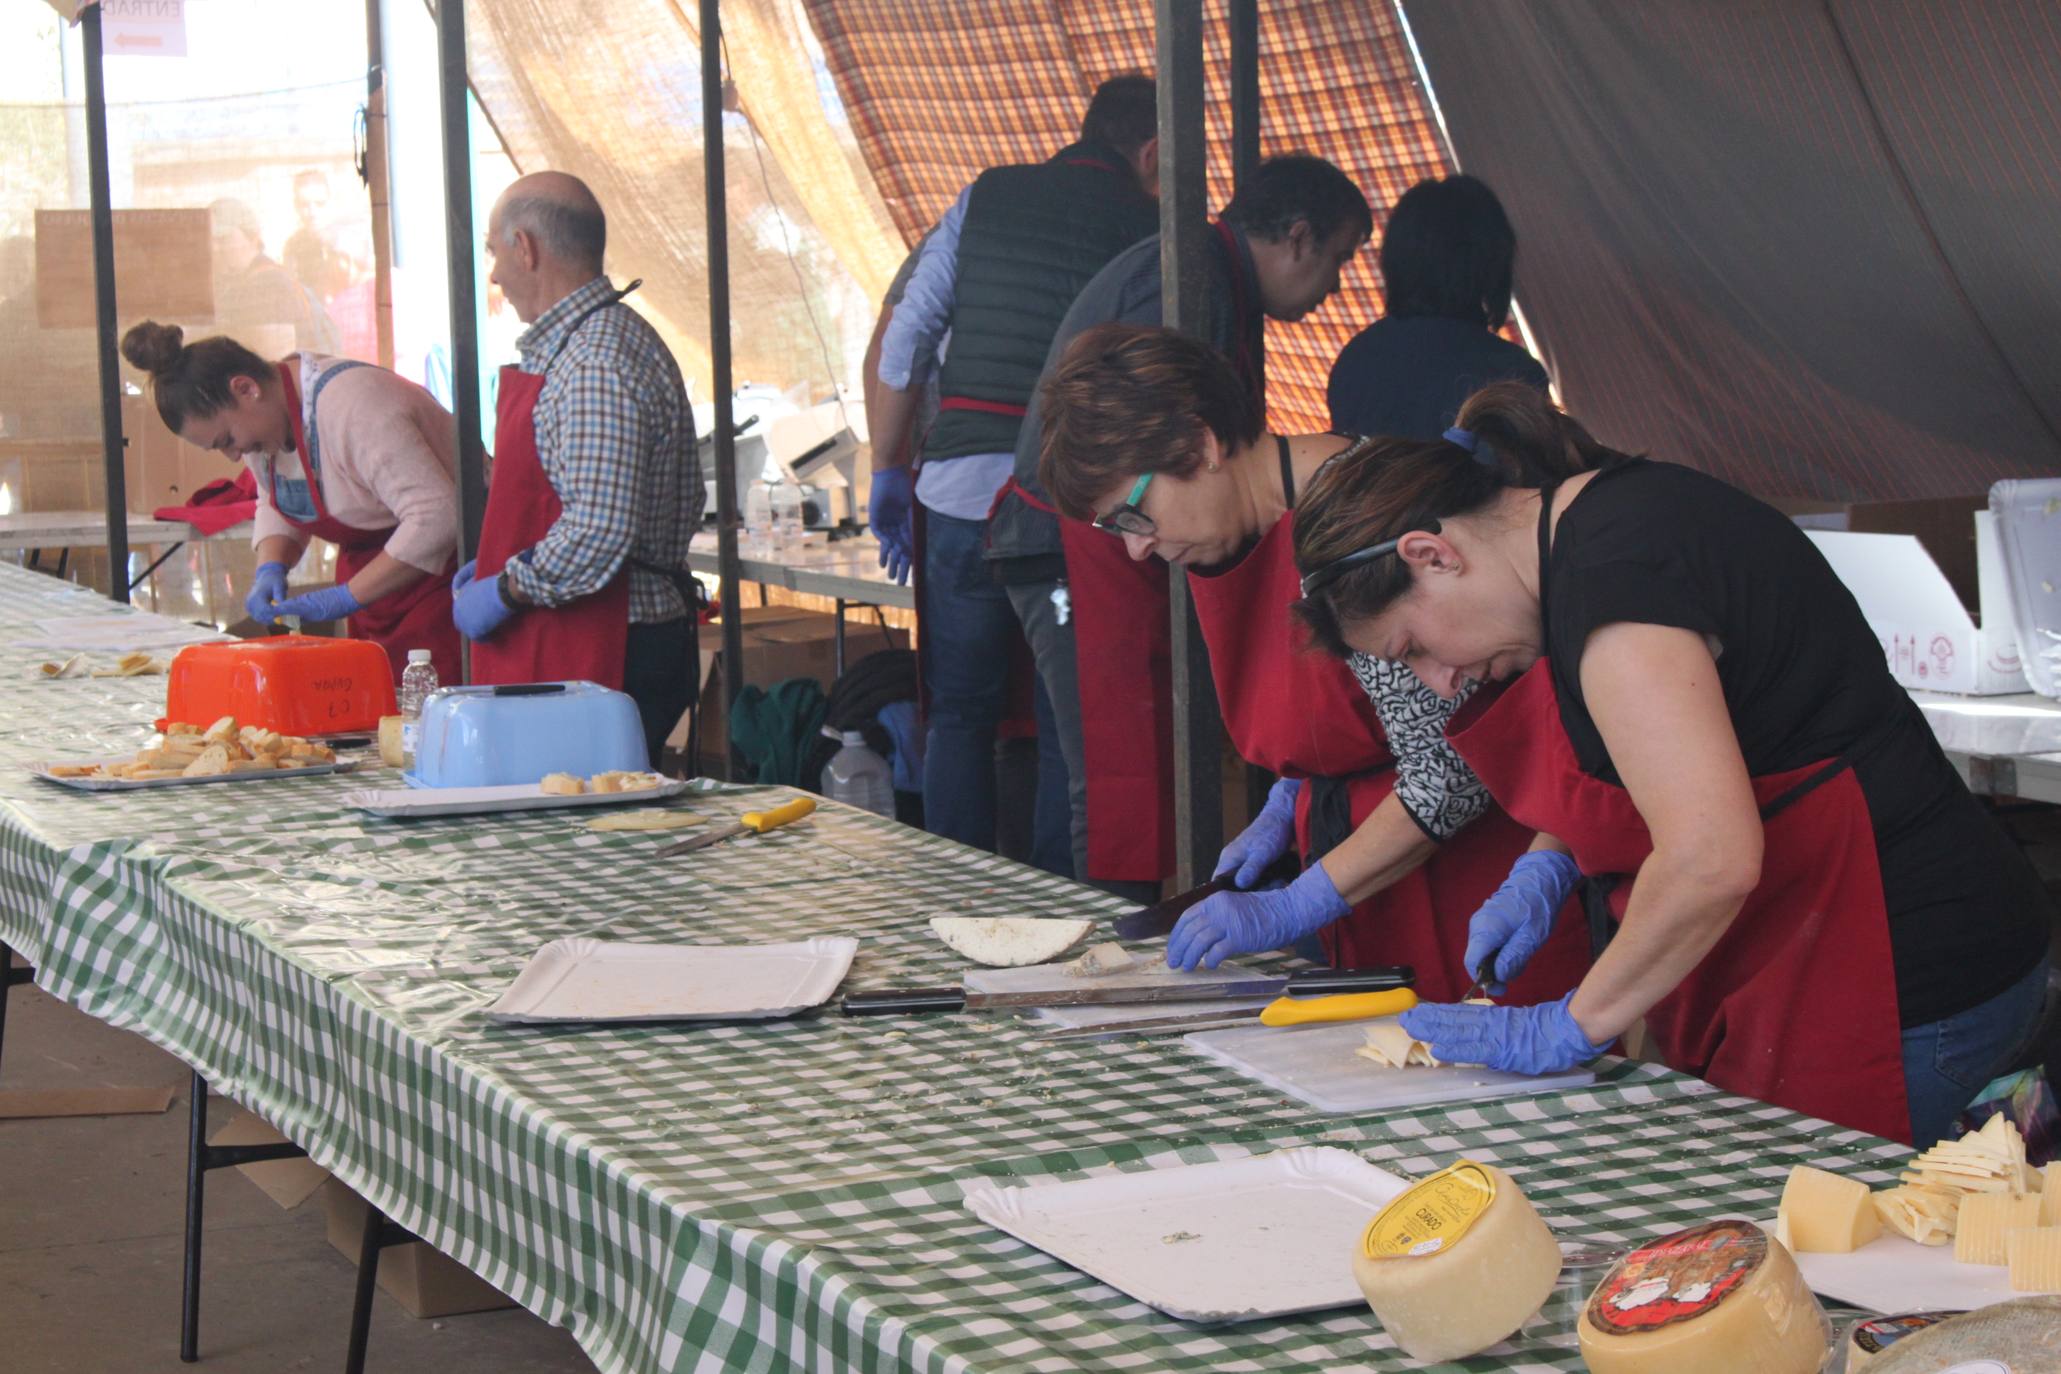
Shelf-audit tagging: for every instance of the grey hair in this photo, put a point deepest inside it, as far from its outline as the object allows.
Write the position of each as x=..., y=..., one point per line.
x=578, y=236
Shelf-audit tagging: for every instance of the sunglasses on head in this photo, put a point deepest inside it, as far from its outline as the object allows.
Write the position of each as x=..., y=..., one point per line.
x=1324, y=574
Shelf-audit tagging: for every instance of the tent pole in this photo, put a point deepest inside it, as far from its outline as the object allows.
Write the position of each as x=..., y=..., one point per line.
x=111, y=439
x=711, y=38
x=1184, y=287
x=378, y=185
x=460, y=245
x=1243, y=20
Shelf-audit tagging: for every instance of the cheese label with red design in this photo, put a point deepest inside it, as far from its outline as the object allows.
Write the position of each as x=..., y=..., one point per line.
x=1433, y=1215
x=1686, y=1276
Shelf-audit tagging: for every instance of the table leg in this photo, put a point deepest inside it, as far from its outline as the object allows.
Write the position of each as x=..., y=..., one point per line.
x=196, y=1185
x=9, y=976
x=837, y=655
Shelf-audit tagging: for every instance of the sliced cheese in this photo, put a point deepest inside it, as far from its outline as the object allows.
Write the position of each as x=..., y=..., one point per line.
x=1827, y=1213
x=1986, y=1219
x=2050, y=1196
x=1926, y=1215
x=1101, y=959
x=1457, y=1263
x=1392, y=1047
x=1722, y=1298
x=1009, y=941
x=2034, y=1254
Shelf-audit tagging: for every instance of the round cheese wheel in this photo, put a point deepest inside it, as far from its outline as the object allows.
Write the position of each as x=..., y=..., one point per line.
x=1457, y=1263
x=2022, y=1336
x=1716, y=1299
x=1870, y=1336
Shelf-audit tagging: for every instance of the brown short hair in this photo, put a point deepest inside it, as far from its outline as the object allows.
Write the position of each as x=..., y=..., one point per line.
x=190, y=380
x=1383, y=490
x=1128, y=399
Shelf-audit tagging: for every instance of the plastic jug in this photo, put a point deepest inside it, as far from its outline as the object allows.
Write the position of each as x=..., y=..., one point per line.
x=859, y=777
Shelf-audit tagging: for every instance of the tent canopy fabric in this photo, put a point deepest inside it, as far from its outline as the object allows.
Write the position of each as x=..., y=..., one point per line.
x=936, y=93
x=1804, y=246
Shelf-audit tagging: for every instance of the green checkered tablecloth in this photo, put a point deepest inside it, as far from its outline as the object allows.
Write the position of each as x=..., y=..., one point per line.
x=747, y=1196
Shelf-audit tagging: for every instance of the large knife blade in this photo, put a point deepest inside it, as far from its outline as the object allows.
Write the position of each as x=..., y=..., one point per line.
x=1307, y=983
x=1151, y=922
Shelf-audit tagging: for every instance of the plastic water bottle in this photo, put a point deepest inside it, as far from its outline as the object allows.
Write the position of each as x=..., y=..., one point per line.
x=787, y=515
x=859, y=777
x=418, y=680
x=758, y=519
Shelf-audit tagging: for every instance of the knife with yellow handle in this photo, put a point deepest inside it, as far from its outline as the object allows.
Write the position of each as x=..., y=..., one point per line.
x=1351, y=1006
x=751, y=822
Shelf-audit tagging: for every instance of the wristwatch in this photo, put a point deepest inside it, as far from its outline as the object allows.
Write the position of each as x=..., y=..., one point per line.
x=506, y=586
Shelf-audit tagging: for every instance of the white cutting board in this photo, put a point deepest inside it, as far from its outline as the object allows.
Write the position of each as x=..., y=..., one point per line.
x=1317, y=1065
x=1149, y=971
x=1893, y=1274
x=1227, y=1241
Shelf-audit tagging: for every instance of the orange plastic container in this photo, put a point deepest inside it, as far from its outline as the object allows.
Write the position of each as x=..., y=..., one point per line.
x=295, y=684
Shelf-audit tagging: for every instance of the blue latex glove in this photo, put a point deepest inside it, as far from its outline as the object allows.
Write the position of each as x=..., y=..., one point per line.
x=890, y=509
x=331, y=603
x=1540, y=1039
x=1514, y=922
x=462, y=579
x=266, y=587
x=1231, y=923
x=1268, y=837
x=476, y=604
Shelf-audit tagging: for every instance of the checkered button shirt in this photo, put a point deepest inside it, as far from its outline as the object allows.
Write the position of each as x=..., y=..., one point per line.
x=616, y=438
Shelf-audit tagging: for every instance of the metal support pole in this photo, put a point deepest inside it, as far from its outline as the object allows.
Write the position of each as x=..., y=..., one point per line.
x=104, y=310
x=1184, y=289
x=461, y=245
x=378, y=185
x=1243, y=21
x=727, y=563
x=196, y=1186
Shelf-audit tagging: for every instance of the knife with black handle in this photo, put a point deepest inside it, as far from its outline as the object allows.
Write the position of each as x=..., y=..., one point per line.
x=1308, y=983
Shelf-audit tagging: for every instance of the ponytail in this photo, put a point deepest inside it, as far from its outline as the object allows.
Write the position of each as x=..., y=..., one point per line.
x=1508, y=436
x=189, y=381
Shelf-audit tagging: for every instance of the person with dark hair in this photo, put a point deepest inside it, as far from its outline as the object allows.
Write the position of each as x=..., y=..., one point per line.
x=1097, y=622
x=311, y=253
x=251, y=289
x=340, y=450
x=1810, y=908
x=1149, y=435
x=596, y=492
x=1447, y=258
x=996, y=274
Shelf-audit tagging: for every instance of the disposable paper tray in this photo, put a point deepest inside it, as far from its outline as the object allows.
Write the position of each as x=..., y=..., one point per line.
x=1320, y=1066
x=1223, y=1242
x=1893, y=1274
x=104, y=784
x=402, y=803
x=583, y=979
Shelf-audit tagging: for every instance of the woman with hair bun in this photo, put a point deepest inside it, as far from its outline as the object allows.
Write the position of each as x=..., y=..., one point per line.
x=1150, y=436
x=1810, y=908
x=342, y=451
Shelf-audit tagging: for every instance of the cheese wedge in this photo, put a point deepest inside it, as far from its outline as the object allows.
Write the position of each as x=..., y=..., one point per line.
x=1101, y=959
x=1987, y=1219
x=2034, y=1255
x=1827, y=1213
x=2050, y=1196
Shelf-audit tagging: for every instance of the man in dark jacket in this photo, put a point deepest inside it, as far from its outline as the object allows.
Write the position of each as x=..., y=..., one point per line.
x=1097, y=622
x=997, y=275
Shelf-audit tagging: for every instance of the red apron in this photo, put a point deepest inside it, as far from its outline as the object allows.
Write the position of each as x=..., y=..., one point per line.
x=583, y=640
x=1796, y=1003
x=416, y=617
x=1303, y=714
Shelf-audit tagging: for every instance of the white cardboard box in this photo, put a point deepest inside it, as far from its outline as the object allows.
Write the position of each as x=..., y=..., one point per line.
x=1930, y=638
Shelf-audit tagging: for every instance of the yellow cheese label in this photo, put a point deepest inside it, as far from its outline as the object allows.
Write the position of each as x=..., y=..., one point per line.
x=1432, y=1216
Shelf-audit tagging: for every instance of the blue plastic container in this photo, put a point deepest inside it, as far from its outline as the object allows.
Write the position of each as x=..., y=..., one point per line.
x=507, y=736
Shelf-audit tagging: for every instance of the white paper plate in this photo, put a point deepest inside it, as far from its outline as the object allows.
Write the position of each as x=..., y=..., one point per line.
x=403, y=802
x=1320, y=1066
x=1223, y=1242
x=1893, y=1274
x=104, y=784
x=581, y=979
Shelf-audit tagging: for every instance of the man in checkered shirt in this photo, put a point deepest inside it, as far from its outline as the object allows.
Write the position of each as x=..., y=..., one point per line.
x=596, y=588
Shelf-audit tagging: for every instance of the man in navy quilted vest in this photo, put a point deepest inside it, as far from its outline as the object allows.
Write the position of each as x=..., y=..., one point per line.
x=996, y=275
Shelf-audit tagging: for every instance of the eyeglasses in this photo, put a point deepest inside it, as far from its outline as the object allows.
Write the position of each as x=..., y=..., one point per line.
x=1127, y=518
x=1324, y=574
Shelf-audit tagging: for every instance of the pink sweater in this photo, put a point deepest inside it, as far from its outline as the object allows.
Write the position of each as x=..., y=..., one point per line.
x=389, y=462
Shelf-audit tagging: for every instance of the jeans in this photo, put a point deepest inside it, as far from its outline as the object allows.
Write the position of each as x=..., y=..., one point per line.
x=1052, y=646
x=968, y=634
x=1946, y=1063
x=660, y=668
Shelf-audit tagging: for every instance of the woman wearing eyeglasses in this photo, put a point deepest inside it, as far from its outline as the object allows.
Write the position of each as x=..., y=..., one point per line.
x=1813, y=910
x=1149, y=435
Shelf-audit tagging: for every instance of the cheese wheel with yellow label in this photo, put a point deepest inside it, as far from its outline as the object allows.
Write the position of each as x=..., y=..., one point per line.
x=1717, y=1299
x=1457, y=1263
